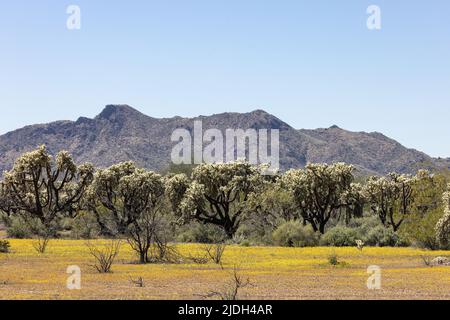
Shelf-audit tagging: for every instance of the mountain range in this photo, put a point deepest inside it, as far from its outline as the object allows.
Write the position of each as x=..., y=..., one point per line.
x=121, y=133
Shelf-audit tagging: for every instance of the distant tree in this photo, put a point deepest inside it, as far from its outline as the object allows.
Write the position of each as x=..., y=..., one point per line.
x=217, y=194
x=428, y=190
x=319, y=191
x=443, y=225
x=43, y=189
x=427, y=209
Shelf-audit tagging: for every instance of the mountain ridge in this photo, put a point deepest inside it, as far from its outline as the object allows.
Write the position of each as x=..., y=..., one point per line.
x=120, y=133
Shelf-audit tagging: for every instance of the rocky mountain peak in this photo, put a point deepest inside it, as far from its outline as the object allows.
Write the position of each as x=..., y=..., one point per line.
x=114, y=111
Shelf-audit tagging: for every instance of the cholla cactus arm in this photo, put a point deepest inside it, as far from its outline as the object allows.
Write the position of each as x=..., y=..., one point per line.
x=443, y=225
x=176, y=188
x=193, y=205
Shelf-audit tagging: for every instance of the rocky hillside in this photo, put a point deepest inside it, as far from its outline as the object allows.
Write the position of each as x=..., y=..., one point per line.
x=122, y=133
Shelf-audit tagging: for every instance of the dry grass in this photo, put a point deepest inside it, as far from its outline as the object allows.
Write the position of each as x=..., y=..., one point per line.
x=276, y=273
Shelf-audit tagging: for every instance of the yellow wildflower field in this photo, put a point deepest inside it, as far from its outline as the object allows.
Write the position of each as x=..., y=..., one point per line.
x=275, y=273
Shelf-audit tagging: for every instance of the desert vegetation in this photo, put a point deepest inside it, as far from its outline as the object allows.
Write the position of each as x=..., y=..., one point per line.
x=46, y=198
x=219, y=208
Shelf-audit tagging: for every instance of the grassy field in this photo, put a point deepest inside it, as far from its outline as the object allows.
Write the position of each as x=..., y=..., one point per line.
x=276, y=273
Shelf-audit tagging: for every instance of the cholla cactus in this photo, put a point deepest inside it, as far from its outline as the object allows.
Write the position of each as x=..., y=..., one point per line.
x=391, y=197
x=44, y=187
x=217, y=194
x=443, y=225
x=360, y=245
x=319, y=191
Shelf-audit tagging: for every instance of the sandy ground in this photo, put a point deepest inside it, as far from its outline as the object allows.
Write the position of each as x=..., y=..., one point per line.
x=275, y=273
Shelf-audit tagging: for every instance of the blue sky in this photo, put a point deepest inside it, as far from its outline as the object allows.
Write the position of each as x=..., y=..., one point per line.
x=311, y=63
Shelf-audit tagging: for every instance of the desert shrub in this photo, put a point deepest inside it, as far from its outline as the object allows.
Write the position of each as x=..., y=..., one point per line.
x=17, y=228
x=40, y=244
x=231, y=291
x=245, y=243
x=340, y=237
x=364, y=224
x=139, y=282
x=104, y=255
x=85, y=226
x=150, y=238
x=368, y=229
x=255, y=233
x=4, y=246
x=420, y=230
x=383, y=237
x=294, y=234
x=195, y=232
x=215, y=252
x=333, y=259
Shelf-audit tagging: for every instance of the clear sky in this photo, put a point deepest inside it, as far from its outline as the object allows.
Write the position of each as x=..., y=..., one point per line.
x=311, y=63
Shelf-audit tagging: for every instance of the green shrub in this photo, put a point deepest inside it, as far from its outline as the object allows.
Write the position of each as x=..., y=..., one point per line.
x=84, y=226
x=255, y=233
x=4, y=246
x=18, y=228
x=333, y=259
x=200, y=233
x=365, y=224
x=384, y=237
x=340, y=237
x=420, y=229
x=294, y=234
x=245, y=243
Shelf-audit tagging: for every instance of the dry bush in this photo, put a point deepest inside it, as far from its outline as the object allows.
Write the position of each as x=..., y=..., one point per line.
x=426, y=261
x=198, y=260
x=104, y=255
x=231, y=291
x=5, y=246
x=163, y=252
x=41, y=244
x=139, y=282
x=149, y=238
x=215, y=252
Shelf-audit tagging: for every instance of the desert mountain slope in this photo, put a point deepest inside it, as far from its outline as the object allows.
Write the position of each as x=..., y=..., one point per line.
x=121, y=133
